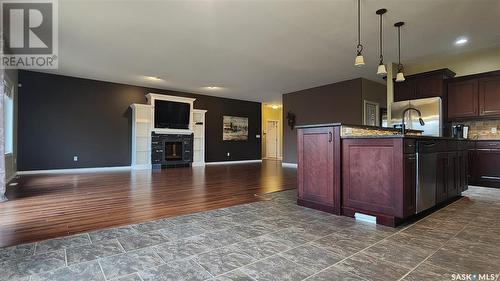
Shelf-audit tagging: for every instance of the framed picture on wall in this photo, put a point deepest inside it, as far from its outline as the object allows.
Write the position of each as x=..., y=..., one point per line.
x=235, y=128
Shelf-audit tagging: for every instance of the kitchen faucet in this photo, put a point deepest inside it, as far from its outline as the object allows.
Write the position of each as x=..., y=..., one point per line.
x=403, y=129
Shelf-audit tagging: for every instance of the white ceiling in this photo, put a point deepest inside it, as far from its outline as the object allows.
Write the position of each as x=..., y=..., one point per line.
x=257, y=49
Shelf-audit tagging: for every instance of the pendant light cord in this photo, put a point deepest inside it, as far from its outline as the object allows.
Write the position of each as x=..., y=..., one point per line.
x=359, y=46
x=381, y=56
x=399, y=46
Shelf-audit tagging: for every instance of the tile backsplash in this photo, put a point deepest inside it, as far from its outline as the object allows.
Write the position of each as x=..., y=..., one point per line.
x=482, y=129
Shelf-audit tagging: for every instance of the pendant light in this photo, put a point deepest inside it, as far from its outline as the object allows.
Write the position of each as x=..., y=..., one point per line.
x=359, y=61
x=381, y=70
x=400, y=76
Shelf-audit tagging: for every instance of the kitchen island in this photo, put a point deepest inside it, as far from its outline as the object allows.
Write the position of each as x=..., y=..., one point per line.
x=346, y=169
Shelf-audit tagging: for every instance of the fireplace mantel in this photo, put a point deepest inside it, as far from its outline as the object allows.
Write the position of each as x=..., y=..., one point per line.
x=143, y=127
x=151, y=101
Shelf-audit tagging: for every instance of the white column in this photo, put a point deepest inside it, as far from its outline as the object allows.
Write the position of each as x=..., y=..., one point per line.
x=391, y=69
x=2, y=141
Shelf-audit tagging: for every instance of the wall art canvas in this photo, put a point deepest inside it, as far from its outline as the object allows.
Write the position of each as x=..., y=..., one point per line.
x=235, y=128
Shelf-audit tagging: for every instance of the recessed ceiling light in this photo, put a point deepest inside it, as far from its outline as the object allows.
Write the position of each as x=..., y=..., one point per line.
x=212, y=88
x=153, y=78
x=461, y=41
x=274, y=106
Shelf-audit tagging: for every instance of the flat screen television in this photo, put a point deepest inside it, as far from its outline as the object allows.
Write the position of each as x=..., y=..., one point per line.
x=172, y=115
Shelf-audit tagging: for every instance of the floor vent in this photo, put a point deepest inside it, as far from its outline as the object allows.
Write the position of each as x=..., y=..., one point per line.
x=365, y=218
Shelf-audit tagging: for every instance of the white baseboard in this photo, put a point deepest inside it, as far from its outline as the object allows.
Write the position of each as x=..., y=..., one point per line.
x=289, y=165
x=141, y=167
x=272, y=158
x=78, y=170
x=234, y=162
x=198, y=164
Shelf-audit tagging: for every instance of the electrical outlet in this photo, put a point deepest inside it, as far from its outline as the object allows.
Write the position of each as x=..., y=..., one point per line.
x=257, y=136
x=494, y=130
x=228, y=154
x=75, y=158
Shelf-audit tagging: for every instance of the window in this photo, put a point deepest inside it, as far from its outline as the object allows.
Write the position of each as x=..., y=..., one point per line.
x=8, y=117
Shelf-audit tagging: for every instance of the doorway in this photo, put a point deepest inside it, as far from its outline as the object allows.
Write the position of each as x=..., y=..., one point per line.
x=272, y=141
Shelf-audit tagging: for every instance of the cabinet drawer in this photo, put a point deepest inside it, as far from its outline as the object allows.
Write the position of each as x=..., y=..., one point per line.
x=409, y=146
x=488, y=145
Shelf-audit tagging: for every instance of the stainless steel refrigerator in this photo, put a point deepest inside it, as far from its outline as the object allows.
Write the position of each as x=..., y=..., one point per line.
x=431, y=114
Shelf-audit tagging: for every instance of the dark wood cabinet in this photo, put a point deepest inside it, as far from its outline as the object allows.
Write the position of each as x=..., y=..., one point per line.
x=489, y=96
x=422, y=85
x=464, y=164
x=405, y=90
x=474, y=97
x=471, y=175
x=318, y=171
x=487, y=166
x=453, y=183
x=410, y=184
x=442, y=177
x=379, y=176
x=463, y=99
x=430, y=86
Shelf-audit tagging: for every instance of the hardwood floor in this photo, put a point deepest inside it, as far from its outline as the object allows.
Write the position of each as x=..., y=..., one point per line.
x=48, y=206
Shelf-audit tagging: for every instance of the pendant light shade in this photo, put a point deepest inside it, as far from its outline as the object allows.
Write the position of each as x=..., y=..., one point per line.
x=400, y=76
x=381, y=70
x=359, y=61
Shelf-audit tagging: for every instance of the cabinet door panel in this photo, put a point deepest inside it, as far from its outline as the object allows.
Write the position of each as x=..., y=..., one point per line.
x=405, y=90
x=488, y=167
x=316, y=179
x=471, y=167
x=428, y=87
x=463, y=99
x=452, y=172
x=410, y=184
x=442, y=177
x=489, y=96
x=464, y=166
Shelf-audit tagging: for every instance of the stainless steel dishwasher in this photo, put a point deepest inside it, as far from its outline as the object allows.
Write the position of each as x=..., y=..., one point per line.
x=427, y=152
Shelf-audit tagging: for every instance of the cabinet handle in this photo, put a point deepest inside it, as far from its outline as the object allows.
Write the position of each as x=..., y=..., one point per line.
x=490, y=178
x=330, y=137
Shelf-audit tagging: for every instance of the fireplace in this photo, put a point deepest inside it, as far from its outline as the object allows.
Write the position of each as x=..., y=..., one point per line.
x=171, y=150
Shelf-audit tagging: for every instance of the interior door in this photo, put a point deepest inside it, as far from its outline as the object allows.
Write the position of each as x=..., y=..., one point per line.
x=272, y=139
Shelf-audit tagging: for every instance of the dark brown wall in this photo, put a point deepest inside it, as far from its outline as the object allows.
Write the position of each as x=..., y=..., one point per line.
x=62, y=116
x=338, y=102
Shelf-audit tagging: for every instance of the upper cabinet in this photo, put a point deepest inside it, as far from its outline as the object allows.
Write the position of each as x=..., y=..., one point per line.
x=489, y=96
x=462, y=99
x=474, y=97
x=406, y=90
x=422, y=85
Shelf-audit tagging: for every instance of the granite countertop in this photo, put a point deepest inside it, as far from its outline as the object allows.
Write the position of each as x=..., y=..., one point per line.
x=353, y=126
x=399, y=136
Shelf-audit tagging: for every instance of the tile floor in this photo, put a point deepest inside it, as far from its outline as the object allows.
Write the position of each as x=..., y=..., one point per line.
x=273, y=240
